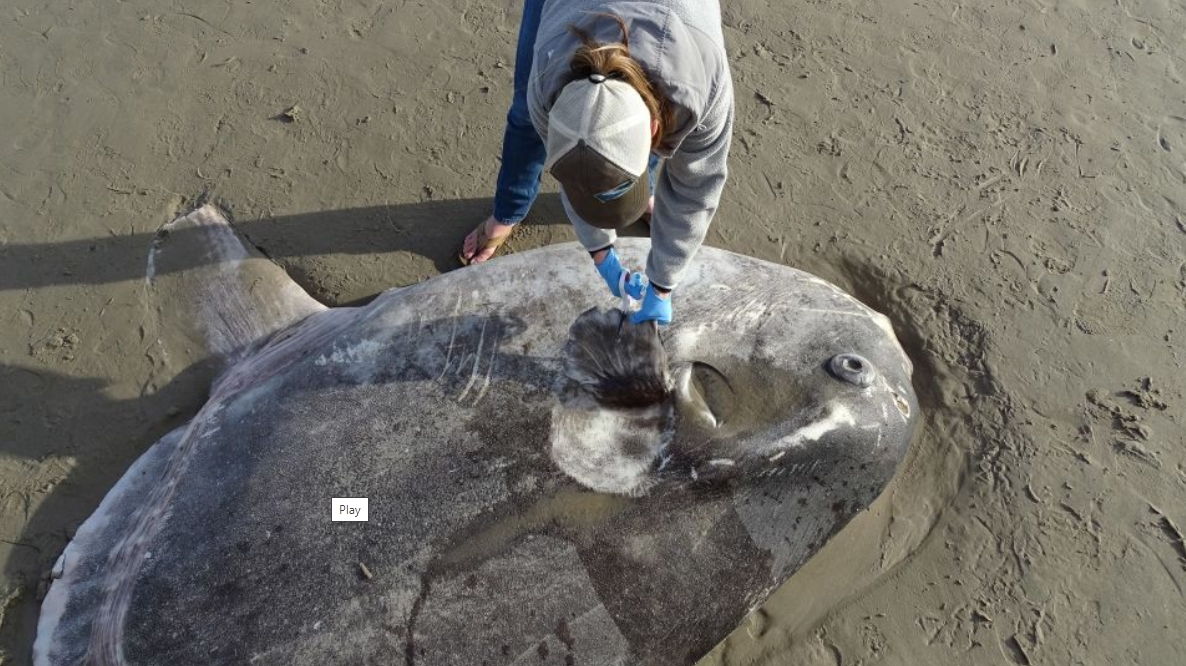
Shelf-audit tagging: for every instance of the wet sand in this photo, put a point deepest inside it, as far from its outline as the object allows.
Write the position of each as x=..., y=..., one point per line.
x=1006, y=182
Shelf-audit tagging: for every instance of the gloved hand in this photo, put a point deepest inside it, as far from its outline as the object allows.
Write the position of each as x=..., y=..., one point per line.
x=654, y=308
x=612, y=272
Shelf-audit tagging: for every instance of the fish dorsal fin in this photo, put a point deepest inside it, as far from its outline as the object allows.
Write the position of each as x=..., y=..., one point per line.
x=213, y=291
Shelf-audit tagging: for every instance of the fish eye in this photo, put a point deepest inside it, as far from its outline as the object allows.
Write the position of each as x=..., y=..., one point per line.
x=852, y=368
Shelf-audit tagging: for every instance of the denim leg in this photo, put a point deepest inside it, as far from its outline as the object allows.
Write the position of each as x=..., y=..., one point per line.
x=652, y=165
x=523, y=152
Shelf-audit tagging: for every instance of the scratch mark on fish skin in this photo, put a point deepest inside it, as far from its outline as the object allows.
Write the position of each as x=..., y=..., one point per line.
x=749, y=309
x=452, y=338
x=837, y=416
x=847, y=313
x=473, y=377
x=490, y=368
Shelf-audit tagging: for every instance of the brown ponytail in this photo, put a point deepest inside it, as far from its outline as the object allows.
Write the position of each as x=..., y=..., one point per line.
x=614, y=61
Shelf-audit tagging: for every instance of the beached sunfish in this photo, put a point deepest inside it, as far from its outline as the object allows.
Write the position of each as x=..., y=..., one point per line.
x=546, y=483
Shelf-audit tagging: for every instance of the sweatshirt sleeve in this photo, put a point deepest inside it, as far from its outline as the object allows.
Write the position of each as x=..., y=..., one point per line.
x=688, y=191
x=535, y=105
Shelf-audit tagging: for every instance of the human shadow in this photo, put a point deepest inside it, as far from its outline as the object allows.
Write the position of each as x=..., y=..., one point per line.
x=430, y=229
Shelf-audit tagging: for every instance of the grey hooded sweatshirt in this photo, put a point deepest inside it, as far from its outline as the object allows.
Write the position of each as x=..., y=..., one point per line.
x=680, y=45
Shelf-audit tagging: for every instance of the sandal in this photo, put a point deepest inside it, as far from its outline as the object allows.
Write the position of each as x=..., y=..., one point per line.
x=484, y=243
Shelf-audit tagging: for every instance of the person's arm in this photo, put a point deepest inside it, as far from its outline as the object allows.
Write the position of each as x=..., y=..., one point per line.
x=688, y=191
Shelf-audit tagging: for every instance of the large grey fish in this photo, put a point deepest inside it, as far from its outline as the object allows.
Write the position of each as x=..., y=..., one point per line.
x=540, y=491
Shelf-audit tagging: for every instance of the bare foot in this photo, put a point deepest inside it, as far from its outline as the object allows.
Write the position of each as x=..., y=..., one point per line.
x=494, y=229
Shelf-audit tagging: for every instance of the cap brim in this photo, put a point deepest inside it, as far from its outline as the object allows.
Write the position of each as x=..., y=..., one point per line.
x=621, y=212
x=587, y=178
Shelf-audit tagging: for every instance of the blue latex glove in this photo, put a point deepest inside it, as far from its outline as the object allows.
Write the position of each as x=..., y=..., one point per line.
x=654, y=308
x=611, y=271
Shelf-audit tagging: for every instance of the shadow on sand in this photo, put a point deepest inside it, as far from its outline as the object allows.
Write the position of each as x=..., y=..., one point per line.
x=432, y=230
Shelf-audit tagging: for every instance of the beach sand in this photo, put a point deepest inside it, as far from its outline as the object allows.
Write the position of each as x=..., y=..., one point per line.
x=1007, y=181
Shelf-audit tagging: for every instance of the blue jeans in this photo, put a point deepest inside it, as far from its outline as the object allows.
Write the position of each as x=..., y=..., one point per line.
x=523, y=152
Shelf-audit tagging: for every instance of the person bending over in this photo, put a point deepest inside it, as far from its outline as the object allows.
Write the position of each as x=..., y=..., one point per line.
x=603, y=91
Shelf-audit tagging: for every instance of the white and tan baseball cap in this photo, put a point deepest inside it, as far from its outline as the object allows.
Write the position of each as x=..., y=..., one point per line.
x=599, y=144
